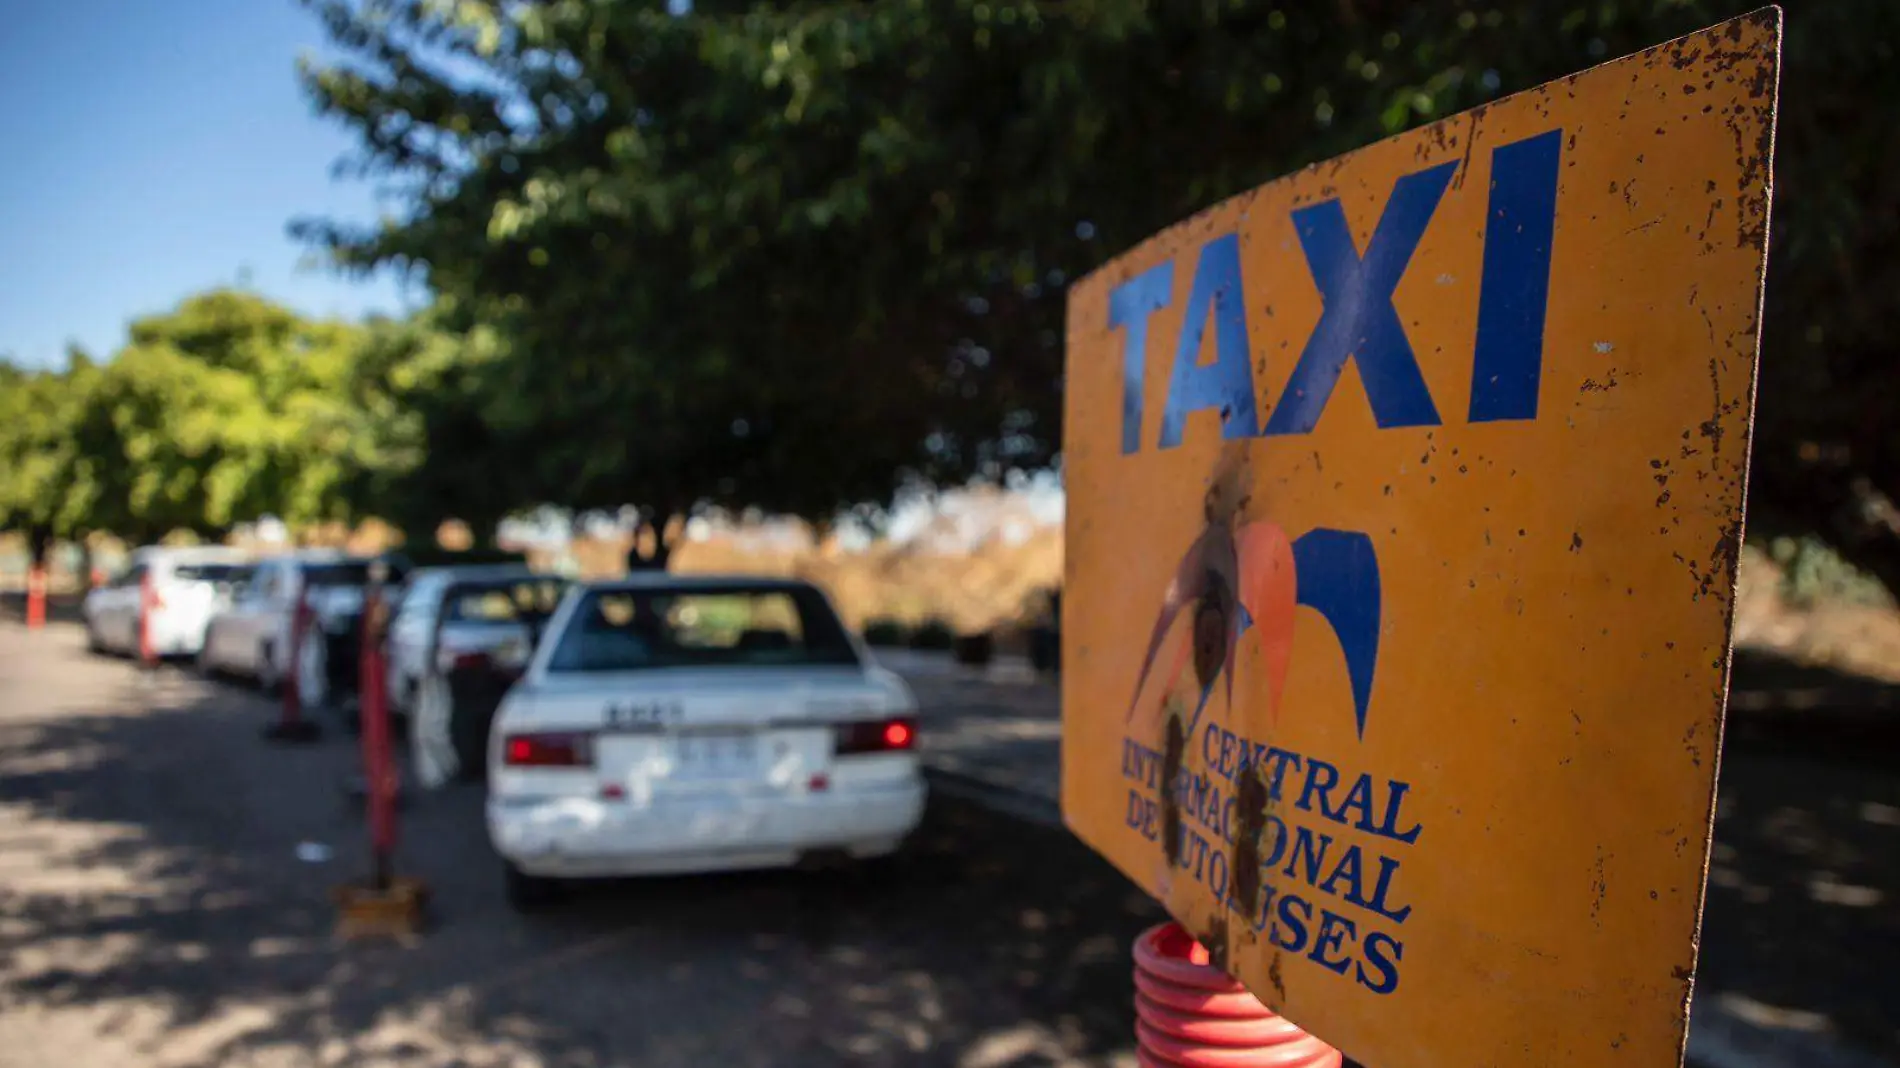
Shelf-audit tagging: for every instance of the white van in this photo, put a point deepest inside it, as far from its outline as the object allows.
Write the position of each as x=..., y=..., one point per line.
x=188, y=586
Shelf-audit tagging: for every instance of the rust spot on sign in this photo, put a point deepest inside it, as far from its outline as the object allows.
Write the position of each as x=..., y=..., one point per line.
x=1215, y=941
x=1250, y=812
x=1174, y=747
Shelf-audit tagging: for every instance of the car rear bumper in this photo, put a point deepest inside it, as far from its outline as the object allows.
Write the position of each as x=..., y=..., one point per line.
x=173, y=636
x=582, y=837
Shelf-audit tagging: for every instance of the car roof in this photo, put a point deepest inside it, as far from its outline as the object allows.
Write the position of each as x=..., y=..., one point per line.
x=185, y=554
x=476, y=571
x=304, y=556
x=664, y=580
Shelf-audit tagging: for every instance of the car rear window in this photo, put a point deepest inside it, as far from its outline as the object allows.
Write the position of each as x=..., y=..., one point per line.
x=209, y=572
x=351, y=574
x=628, y=630
x=502, y=602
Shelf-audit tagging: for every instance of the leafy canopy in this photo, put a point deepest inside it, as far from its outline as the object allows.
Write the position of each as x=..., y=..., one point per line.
x=845, y=228
x=224, y=410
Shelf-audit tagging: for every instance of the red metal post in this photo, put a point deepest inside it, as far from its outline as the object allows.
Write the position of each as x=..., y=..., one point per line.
x=1190, y=1014
x=379, y=766
x=36, y=597
x=291, y=725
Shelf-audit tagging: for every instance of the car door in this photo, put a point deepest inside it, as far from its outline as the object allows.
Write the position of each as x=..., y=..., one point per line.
x=99, y=612
x=273, y=620
x=245, y=633
x=227, y=618
x=283, y=604
x=408, y=641
x=123, y=610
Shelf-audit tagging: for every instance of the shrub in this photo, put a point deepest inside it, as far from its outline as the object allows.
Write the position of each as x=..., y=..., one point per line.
x=887, y=633
x=932, y=634
x=974, y=649
x=1812, y=573
x=1045, y=649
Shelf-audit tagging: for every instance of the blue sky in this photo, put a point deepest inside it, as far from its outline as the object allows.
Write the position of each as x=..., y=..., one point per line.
x=156, y=148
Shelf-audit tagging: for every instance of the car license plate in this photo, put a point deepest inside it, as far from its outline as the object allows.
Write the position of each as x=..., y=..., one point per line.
x=715, y=756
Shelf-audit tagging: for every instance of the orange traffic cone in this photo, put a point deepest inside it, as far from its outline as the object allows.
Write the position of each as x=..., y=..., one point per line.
x=36, y=598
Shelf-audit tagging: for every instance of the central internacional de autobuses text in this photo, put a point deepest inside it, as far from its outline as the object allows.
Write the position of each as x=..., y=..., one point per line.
x=1321, y=893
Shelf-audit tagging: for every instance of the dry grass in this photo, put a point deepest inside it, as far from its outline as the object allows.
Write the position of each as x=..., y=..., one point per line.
x=1854, y=638
x=991, y=585
x=987, y=587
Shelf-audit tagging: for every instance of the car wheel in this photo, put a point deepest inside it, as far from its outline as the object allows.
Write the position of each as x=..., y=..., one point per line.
x=468, y=737
x=202, y=662
x=313, y=672
x=429, y=744
x=266, y=672
x=528, y=893
x=93, y=644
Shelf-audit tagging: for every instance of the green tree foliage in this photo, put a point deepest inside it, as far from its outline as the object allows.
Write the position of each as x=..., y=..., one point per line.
x=224, y=410
x=48, y=487
x=435, y=444
x=844, y=228
x=228, y=408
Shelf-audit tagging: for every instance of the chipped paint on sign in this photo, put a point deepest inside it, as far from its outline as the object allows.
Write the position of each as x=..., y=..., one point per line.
x=1405, y=495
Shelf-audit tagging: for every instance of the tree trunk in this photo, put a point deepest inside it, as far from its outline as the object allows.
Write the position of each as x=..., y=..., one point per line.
x=640, y=558
x=39, y=545
x=655, y=559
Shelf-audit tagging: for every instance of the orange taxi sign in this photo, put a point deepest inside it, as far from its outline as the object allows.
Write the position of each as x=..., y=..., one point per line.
x=1405, y=500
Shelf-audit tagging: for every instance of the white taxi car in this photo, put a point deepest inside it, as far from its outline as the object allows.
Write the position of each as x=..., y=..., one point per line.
x=181, y=589
x=670, y=724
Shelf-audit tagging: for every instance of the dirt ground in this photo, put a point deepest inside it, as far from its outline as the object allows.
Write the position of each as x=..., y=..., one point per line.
x=154, y=911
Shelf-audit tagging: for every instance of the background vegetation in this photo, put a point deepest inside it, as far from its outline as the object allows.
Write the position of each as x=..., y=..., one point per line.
x=795, y=255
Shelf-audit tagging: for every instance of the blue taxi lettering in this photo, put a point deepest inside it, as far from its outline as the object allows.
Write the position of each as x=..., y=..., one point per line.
x=1227, y=383
x=1514, y=290
x=1130, y=306
x=1358, y=322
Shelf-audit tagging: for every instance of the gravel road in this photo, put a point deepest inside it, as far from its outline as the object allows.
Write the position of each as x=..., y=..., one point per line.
x=154, y=911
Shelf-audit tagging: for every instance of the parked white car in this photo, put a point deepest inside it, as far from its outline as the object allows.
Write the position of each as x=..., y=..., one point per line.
x=460, y=638
x=252, y=637
x=412, y=627
x=188, y=584
x=674, y=723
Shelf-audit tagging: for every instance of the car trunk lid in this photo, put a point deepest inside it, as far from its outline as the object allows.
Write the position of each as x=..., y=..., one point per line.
x=669, y=733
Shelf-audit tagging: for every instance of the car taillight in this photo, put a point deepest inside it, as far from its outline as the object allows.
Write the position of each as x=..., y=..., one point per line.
x=877, y=736
x=564, y=749
x=467, y=661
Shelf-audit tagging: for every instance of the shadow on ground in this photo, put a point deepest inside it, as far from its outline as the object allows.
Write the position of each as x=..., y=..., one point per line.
x=150, y=891
x=152, y=885
x=60, y=607
x=1802, y=920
